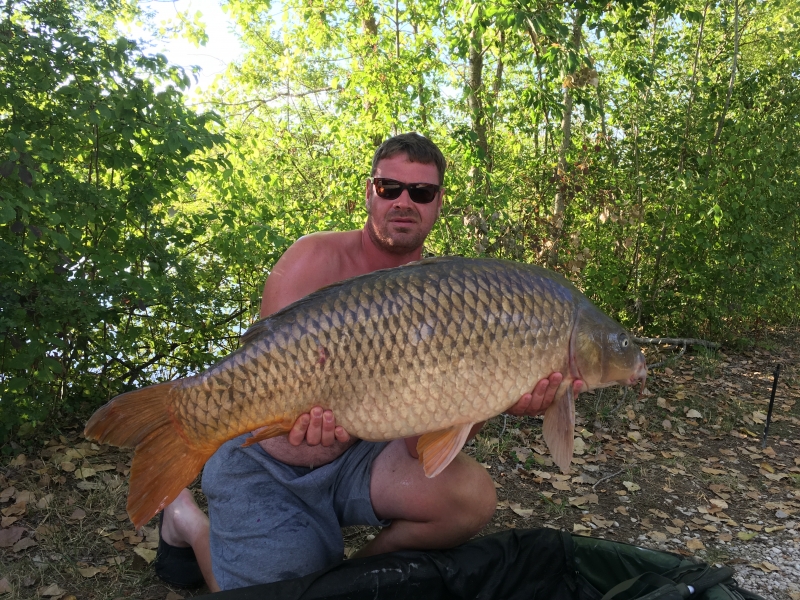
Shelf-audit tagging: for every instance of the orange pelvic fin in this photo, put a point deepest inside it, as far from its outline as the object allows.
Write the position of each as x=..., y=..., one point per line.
x=559, y=423
x=270, y=430
x=438, y=449
x=164, y=462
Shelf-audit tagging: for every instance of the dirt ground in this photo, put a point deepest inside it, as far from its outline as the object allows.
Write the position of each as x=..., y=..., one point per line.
x=681, y=468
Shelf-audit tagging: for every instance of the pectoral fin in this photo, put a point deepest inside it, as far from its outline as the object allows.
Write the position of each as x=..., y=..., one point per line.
x=270, y=430
x=559, y=423
x=438, y=449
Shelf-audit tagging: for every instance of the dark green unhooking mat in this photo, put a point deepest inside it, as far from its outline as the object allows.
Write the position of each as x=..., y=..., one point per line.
x=520, y=564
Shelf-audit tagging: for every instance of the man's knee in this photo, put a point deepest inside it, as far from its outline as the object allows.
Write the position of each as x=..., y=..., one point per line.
x=474, y=496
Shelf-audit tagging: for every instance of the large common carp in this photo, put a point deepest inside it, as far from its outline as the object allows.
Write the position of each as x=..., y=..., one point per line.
x=430, y=348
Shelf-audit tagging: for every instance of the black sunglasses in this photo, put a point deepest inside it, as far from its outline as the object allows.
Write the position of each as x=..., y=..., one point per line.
x=390, y=189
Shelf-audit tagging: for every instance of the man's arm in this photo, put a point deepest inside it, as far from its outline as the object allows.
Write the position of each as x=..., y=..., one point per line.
x=304, y=268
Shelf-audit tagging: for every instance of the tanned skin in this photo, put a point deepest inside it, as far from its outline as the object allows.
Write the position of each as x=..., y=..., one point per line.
x=426, y=513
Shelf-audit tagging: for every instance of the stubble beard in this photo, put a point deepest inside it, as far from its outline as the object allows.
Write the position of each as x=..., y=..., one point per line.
x=400, y=243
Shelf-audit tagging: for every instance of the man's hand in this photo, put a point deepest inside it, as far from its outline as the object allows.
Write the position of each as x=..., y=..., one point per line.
x=316, y=427
x=537, y=402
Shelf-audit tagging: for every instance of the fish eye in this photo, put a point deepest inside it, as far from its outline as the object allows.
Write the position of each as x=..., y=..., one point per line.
x=624, y=339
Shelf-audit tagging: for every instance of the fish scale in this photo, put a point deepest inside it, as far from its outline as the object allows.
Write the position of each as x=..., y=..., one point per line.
x=428, y=348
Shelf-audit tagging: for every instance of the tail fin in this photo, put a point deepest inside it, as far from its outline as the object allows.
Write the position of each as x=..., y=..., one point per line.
x=559, y=423
x=164, y=461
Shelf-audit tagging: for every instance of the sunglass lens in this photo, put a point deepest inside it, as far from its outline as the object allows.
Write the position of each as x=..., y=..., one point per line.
x=388, y=189
x=422, y=194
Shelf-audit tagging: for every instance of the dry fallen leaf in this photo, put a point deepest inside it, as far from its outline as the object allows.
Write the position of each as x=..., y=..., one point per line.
x=77, y=515
x=694, y=544
x=25, y=496
x=631, y=486
x=582, y=500
x=18, y=508
x=9, y=537
x=23, y=544
x=657, y=536
x=711, y=471
x=562, y=485
x=5, y=586
x=578, y=528
x=51, y=590
x=84, y=473
x=745, y=536
x=173, y=596
x=148, y=555
x=774, y=529
x=693, y=414
x=719, y=503
x=67, y=466
x=91, y=571
x=522, y=512
x=579, y=446
x=43, y=531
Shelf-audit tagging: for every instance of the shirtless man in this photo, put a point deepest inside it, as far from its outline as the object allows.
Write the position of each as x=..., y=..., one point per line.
x=276, y=508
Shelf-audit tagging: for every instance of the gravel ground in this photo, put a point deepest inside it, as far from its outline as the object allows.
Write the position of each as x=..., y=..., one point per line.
x=759, y=554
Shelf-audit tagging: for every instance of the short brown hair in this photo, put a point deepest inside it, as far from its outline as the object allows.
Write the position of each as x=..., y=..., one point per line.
x=416, y=147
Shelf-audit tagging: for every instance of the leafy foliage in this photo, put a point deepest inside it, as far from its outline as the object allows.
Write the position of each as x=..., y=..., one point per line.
x=135, y=239
x=99, y=281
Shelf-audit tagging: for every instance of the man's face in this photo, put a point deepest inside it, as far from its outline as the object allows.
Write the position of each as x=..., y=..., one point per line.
x=400, y=226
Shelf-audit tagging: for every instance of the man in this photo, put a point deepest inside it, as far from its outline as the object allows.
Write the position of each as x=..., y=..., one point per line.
x=276, y=508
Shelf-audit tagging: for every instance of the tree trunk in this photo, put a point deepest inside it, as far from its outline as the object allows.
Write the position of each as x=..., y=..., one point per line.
x=559, y=203
x=721, y=121
x=474, y=102
x=370, y=27
x=498, y=83
x=692, y=91
x=423, y=110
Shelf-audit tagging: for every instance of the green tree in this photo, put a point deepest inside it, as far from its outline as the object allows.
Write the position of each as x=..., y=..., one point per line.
x=100, y=286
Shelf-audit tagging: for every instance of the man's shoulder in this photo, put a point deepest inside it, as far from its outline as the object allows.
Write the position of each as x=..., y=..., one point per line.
x=323, y=251
x=330, y=241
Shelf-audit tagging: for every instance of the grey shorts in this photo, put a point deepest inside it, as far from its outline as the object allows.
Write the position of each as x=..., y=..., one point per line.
x=271, y=521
